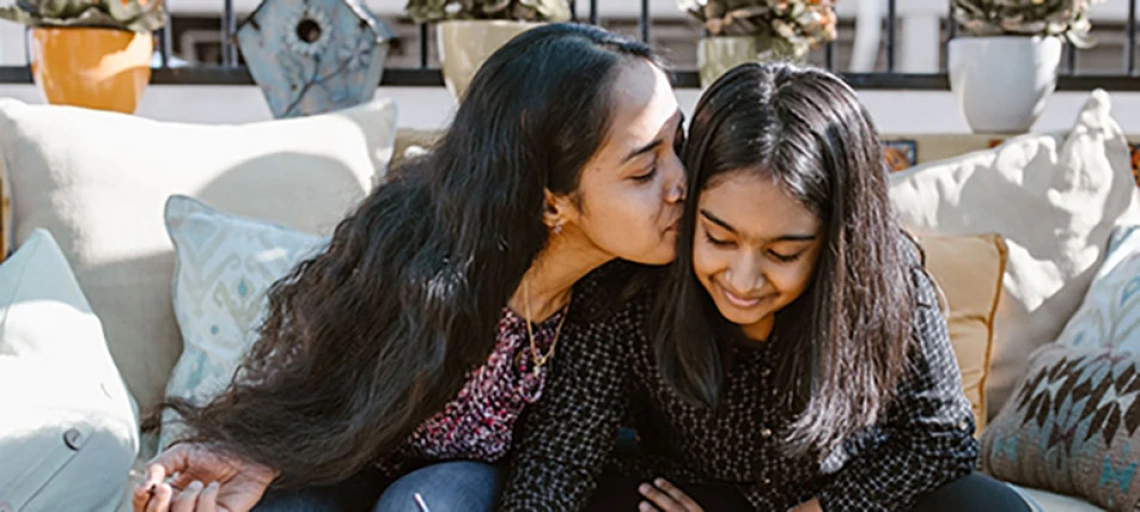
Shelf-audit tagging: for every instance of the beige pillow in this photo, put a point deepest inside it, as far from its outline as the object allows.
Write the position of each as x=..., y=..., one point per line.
x=99, y=181
x=68, y=427
x=1054, y=199
x=969, y=271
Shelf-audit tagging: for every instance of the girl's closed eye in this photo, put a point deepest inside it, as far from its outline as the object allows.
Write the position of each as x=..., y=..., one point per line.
x=785, y=258
x=716, y=241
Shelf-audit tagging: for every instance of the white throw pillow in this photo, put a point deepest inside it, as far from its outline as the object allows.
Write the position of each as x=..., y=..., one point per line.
x=225, y=265
x=68, y=426
x=99, y=180
x=1109, y=316
x=1054, y=199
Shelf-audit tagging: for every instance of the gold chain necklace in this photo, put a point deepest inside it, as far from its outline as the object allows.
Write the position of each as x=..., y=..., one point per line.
x=540, y=361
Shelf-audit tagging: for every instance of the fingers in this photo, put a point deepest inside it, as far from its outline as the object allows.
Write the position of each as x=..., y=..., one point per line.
x=657, y=498
x=679, y=496
x=160, y=502
x=667, y=497
x=173, y=460
x=140, y=497
x=646, y=507
x=155, y=474
x=187, y=500
x=208, y=501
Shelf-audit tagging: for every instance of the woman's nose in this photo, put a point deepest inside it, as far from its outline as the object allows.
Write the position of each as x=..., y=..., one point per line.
x=676, y=191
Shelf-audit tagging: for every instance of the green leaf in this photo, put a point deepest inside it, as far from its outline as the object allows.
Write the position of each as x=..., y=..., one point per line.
x=113, y=14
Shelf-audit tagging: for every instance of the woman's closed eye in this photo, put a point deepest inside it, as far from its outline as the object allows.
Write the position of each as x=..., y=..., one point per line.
x=647, y=175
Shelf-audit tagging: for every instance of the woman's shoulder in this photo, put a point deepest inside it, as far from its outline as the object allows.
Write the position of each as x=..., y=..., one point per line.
x=616, y=287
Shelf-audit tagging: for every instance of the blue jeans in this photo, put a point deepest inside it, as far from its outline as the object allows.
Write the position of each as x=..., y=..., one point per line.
x=445, y=487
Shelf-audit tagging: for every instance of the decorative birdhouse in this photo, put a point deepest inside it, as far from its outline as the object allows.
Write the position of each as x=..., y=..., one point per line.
x=314, y=56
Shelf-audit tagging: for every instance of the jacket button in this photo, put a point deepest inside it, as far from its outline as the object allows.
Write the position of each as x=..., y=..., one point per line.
x=73, y=439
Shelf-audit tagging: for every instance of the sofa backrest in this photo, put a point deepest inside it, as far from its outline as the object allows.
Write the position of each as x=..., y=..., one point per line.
x=98, y=181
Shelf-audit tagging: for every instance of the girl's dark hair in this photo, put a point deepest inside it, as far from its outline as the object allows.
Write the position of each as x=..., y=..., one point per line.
x=366, y=340
x=839, y=350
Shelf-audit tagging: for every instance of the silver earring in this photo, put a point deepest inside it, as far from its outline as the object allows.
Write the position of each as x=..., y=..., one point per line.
x=558, y=228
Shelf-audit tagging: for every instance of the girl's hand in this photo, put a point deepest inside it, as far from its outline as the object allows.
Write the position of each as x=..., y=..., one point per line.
x=666, y=497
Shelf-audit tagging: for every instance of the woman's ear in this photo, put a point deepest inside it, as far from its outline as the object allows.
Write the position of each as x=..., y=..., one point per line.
x=556, y=211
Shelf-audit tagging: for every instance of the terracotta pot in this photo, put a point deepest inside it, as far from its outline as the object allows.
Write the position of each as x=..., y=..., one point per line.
x=465, y=44
x=96, y=68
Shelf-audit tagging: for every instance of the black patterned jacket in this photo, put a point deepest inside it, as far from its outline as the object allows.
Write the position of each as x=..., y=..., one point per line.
x=924, y=440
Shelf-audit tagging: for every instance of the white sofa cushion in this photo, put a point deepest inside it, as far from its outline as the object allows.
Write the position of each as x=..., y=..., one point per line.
x=68, y=426
x=99, y=181
x=1054, y=199
x=225, y=266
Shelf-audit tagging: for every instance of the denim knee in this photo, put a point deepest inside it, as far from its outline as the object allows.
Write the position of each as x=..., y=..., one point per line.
x=459, y=486
x=310, y=500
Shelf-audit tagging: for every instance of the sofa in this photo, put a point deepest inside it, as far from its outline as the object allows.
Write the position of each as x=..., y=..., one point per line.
x=141, y=250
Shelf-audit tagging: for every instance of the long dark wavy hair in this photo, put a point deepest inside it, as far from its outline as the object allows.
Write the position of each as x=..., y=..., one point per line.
x=839, y=350
x=366, y=340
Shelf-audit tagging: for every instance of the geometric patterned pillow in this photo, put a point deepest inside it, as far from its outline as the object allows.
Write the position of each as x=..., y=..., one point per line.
x=1109, y=316
x=224, y=266
x=1072, y=427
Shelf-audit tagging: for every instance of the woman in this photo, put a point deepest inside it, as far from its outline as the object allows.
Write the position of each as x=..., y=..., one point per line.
x=428, y=324
x=797, y=358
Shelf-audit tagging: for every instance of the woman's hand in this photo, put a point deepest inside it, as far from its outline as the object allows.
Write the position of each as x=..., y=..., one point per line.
x=666, y=497
x=203, y=481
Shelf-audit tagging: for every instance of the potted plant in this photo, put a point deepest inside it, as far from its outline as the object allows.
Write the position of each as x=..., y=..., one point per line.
x=469, y=31
x=90, y=53
x=739, y=31
x=1005, y=68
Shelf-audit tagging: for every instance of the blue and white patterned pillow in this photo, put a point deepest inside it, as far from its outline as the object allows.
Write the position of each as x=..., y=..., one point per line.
x=1109, y=316
x=225, y=264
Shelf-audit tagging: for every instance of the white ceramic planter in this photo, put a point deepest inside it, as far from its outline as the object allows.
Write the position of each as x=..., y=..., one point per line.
x=465, y=44
x=1003, y=83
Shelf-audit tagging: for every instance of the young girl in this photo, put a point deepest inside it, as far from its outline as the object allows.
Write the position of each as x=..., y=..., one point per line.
x=802, y=355
x=415, y=341
x=796, y=358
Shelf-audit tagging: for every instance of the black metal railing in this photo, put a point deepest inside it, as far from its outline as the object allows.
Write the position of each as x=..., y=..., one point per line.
x=231, y=72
